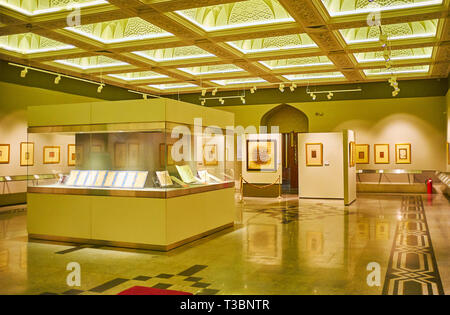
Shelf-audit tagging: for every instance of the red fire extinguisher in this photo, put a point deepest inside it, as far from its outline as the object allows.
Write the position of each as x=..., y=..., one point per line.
x=429, y=186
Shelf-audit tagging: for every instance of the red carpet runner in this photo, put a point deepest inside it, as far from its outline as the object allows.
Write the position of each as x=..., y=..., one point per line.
x=151, y=291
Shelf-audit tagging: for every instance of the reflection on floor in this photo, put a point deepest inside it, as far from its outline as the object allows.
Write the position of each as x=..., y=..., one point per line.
x=289, y=246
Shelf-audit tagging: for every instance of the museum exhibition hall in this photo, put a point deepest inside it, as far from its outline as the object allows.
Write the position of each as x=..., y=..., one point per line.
x=224, y=147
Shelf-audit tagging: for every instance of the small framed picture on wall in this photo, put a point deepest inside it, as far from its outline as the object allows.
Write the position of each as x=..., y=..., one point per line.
x=403, y=153
x=381, y=153
x=4, y=153
x=27, y=154
x=352, y=153
x=71, y=155
x=314, y=154
x=52, y=154
x=362, y=153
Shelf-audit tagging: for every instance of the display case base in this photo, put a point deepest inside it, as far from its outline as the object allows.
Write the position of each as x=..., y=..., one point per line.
x=161, y=248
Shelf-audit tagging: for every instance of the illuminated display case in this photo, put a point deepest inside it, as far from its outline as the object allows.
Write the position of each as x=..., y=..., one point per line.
x=115, y=160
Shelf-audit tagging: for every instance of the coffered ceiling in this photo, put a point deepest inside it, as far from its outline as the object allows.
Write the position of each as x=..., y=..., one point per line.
x=183, y=46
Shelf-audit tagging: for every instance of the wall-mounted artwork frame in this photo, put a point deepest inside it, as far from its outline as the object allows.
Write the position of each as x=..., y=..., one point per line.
x=403, y=153
x=71, y=155
x=5, y=153
x=210, y=155
x=133, y=154
x=120, y=155
x=262, y=155
x=27, y=154
x=381, y=153
x=162, y=154
x=362, y=154
x=448, y=153
x=51, y=154
x=352, y=153
x=314, y=154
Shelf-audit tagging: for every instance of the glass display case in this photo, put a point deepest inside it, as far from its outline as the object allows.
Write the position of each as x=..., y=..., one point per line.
x=144, y=160
x=151, y=174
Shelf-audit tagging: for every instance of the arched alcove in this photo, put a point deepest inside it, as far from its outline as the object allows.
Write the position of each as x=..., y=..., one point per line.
x=287, y=118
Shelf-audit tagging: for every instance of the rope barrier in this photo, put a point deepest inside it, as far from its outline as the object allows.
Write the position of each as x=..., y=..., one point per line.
x=242, y=180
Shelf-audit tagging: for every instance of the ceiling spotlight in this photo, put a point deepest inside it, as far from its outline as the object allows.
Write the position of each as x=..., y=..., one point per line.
x=203, y=102
x=253, y=90
x=330, y=95
x=222, y=101
x=204, y=92
x=243, y=100
x=214, y=92
x=389, y=64
x=145, y=96
x=24, y=72
x=281, y=88
x=293, y=87
x=100, y=88
x=57, y=79
x=383, y=40
x=313, y=96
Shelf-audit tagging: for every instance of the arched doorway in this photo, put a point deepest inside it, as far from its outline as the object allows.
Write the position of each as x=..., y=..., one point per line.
x=290, y=121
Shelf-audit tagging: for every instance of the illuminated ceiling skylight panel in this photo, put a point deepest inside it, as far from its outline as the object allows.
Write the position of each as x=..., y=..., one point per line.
x=274, y=43
x=36, y=7
x=312, y=76
x=239, y=81
x=120, y=30
x=92, y=62
x=173, y=86
x=238, y=14
x=398, y=54
x=136, y=76
x=29, y=43
x=297, y=62
x=348, y=7
x=397, y=70
x=203, y=70
x=178, y=53
x=394, y=31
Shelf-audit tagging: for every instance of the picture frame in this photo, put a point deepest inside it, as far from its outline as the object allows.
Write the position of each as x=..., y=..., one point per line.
x=262, y=155
x=448, y=153
x=133, y=154
x=352, y=153
x=162, y=154
x=120, y=155
x=403, y=153
x=51, y=154
x=210, y=155
x=71, y=155
x=362, y=154
x=314, y=154
x=381, y=153
x=27, y=154
x=5, y=153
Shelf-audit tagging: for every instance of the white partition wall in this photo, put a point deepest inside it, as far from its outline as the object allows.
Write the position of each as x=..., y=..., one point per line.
x=328, y=172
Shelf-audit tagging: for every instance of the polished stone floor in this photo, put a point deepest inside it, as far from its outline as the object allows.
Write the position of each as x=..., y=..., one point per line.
x=286, y=246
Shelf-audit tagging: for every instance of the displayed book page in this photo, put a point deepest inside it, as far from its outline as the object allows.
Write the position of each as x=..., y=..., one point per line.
x=214, y=178
x=164, y=179
x=141, y=178
x=82, y=178
x=186, y=174
x=179, y=182
x=72, y=178
x=203, y=176
x=110, y=179
x=91, y=178
x=131, y=176
x=100, y=178
x=120, y=179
